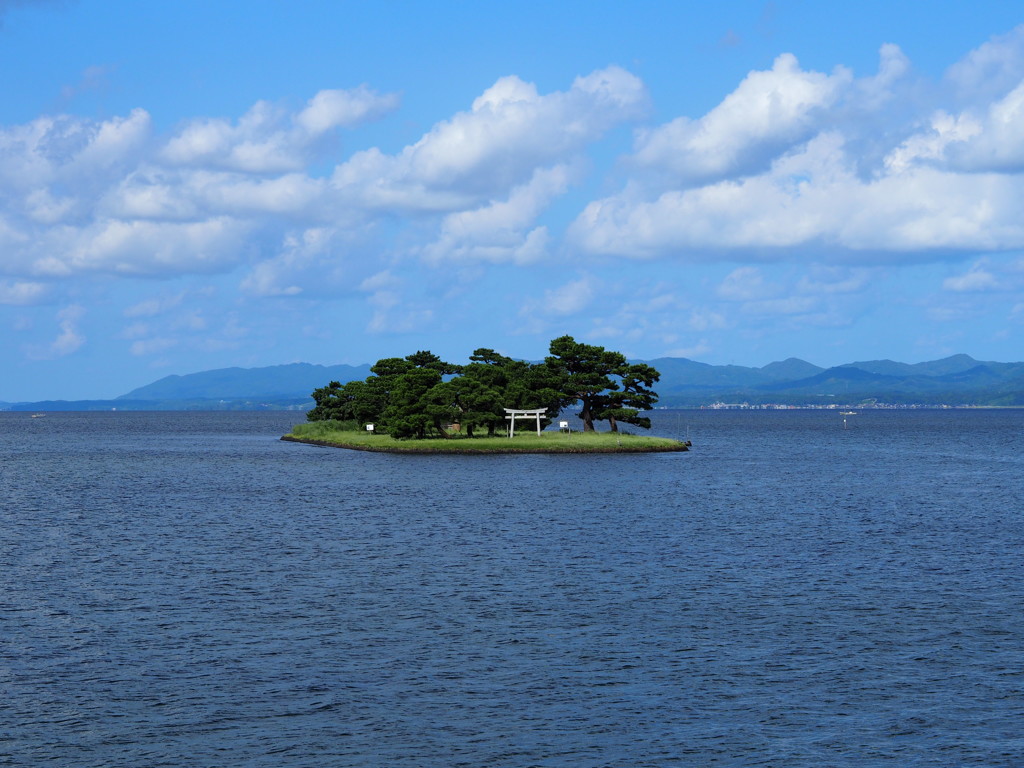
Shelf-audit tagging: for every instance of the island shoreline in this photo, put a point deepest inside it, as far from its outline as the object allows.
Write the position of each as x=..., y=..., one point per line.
x=460, y=451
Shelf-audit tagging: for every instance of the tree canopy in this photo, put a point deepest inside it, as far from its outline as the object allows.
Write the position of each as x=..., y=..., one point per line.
x=421, y=395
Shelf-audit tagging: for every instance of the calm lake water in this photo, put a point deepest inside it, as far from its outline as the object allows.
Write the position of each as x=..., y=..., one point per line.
x=183, y=589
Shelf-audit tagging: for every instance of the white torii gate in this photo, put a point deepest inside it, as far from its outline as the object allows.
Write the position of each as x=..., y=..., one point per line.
x=511, y=414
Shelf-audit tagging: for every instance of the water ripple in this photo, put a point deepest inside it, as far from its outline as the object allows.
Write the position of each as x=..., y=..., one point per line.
x=184, y=589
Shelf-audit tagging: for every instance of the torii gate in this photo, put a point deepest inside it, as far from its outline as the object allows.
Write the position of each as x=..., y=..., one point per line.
x=511, y=414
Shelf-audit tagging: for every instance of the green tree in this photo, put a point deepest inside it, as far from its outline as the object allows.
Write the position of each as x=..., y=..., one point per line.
x=421, y=394
x=602, y=382
x=584, y=375
x=411, y=409
x=328, y=403
x=634, y=396
x=410, y=413
x=503, y=382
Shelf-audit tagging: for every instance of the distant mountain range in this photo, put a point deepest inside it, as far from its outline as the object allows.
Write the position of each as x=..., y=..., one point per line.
x=273, y=382
x=956, y=380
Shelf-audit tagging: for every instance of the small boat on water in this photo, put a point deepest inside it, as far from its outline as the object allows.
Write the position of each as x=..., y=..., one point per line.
x=38, y=415
x=847, y=413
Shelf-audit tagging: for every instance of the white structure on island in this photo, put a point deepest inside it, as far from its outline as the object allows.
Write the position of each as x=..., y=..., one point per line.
x=511, y=414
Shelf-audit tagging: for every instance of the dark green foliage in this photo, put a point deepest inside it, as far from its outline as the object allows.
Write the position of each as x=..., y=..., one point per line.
x=328, y=403
x=410, y=412
x=634, y=396
x=499, y=382
x=605, y=385
x=421, y=395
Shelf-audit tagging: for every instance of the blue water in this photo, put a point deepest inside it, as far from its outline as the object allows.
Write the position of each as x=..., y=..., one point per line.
x=186, y=590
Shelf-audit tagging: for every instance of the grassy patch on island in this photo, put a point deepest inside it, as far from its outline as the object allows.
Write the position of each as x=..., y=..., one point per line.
x=348, y=435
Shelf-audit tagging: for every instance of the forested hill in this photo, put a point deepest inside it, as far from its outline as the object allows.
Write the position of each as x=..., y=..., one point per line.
x=275, y=381
x=955, y=380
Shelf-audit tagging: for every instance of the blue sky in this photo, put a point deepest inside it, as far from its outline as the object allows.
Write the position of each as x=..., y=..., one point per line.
x=196, y=185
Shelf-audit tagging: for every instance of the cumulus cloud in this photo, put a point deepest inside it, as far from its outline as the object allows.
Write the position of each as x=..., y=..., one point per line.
x=813, y=198
x=510, y=131
x=111, y=196
x=987, y=139
x=768, y=111
x=144, y=248
x=996, y=140
x=791, y=166
x=501, y=231
x=269, y=139
x=307, y=260
x=837, y=172
x=68, y=152
x=991, y=69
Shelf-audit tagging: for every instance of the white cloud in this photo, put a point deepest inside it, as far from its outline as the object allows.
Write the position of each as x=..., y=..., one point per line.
x=157, y=305
x=813, y=198
x=978, y=278
x=706, y=320
x=338, y=108
x=991, y=69
x=999, y=143
x=69, y=339
x=21, y=293
x=701, y=348
x=568, y=299
x=393, y=311
x=80, y=196
x=152, y=346
x=794, y=164
x=931, y=145
x=767, y=112
x=562, y=301
x=988, y=139
x=830, y=281
x=876, y=92
x=500, y=231
x=69, y=152
x=267, y=138
x=510, y=131
x=145, y=248
x=305, y=260
x=745, y=284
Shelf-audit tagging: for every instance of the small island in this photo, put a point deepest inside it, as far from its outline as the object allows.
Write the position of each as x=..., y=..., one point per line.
x=422, y=404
